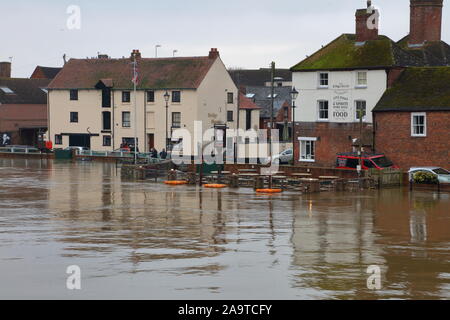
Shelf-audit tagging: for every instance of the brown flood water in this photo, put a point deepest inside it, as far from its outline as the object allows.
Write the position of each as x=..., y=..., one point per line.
x=149, y=241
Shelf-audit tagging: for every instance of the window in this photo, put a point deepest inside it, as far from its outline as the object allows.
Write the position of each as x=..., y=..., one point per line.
x=126, y=96
x=250, y=95
x=361, y=79
x=126, y=119
x=286, y=113
x=106, y=98
x=6, y=90
x=106, y=120
x=352, y=163
x=360, y=108
x=73, y=94
x=58, y=139
x=323, y=110
x=248, y=119
x=230, y=98
x=275, y=95
x=107, y=141
x=74, y=117
x=176, y=119
x=323, y=79
x=176, y=96
x=418, y=124
x=230, y=116
x=150, y=96
x=308, y=149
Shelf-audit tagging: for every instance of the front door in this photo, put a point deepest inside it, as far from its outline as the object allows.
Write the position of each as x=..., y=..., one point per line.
x=151, y=141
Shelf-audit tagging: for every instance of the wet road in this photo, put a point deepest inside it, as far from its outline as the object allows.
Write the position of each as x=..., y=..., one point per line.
x=149, y=241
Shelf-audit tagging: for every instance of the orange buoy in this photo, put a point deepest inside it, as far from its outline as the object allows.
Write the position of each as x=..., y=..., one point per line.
x=175, y=182
x=269, y=190
x=215, y=186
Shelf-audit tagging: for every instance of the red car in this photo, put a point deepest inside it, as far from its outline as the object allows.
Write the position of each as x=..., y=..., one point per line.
x=351, y=161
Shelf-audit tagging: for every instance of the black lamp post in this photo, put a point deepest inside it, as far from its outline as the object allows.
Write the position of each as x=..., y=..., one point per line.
x=166, y=98
x=294, y=95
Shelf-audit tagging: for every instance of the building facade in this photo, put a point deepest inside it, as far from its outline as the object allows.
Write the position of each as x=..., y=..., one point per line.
x=92, y=102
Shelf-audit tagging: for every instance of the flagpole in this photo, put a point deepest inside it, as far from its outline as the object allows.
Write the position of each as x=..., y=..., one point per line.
x=135, y=112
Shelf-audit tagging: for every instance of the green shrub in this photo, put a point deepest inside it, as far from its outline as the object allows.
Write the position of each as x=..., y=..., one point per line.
x=425, y=177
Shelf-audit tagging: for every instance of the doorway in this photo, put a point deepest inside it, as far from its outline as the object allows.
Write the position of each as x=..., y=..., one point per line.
x=151, y=141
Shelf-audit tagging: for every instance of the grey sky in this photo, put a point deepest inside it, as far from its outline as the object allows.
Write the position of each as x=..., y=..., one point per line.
x=248, y=33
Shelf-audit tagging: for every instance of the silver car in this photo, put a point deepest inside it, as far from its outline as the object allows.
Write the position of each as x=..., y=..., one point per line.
x=442, y=174
x=284, y=157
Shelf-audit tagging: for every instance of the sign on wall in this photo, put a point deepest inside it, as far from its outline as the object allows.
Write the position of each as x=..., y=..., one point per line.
x=340, y=107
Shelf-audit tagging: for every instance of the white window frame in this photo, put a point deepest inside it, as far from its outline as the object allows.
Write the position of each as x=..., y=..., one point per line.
x=356, y=110
x=358, y=85
x=419, y=114
x=319, y=80
x=304, y=140
x=318, y=110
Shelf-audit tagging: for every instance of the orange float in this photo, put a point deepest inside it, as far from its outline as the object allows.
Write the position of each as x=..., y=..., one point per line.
x=269, y=190
x=175, y=183
x=215, y=186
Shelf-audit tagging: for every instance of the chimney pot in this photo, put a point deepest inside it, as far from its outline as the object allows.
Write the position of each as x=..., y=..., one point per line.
x=136, y=53
x=5, y=69
x=214, y=53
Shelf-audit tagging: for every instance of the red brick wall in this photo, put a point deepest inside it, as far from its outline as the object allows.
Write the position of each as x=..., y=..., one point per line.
x=393, y=137
x=363, y=33
x=426, y=21
x=333, y=138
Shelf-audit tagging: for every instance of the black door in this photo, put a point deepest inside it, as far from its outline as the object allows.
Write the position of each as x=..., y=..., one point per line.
x=80, y=140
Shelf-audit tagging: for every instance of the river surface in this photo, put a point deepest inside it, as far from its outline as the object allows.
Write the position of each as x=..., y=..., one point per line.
x=148, y=241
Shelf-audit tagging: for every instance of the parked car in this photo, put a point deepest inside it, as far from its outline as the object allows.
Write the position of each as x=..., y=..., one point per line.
x=442, y=174
x=369, y=161
x=284, y=157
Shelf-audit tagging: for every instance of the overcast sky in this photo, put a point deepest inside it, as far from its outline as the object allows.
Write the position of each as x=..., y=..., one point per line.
x=248, y=33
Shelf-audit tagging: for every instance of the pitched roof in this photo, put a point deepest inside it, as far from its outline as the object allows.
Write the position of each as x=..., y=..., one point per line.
x=345, y=53
x=258, y=77
x=246, y=103
x=418, y=89
x=436, y=53
x=262, y=98
x=156, y=73
x=25, y=91
x=45, y=72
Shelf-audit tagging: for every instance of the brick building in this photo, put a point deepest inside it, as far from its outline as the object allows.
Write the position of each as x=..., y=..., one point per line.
x=352, y=73
x=412, y=119
x=23, y=107
x=45, y=72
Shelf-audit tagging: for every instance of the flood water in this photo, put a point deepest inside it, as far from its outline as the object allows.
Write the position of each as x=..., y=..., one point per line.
x=150, y=241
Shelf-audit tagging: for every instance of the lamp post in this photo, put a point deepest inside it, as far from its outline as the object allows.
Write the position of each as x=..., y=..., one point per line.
x=166, y=98
x=294, y=95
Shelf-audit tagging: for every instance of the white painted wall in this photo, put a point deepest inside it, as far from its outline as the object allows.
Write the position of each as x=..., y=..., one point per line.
x=342, y=88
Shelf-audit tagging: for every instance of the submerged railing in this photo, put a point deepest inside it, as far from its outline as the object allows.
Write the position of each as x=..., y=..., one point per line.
x=119, y=154
x=19, y=149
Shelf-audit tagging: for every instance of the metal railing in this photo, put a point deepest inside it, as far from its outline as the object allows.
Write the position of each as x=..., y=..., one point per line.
x=19, y=149
x=119, y=154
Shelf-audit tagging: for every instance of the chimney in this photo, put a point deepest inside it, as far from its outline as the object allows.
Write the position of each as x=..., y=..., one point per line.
x=136, y=53
x=367, y=23
x=5, y=69
x=426, y=21
x=214, y=53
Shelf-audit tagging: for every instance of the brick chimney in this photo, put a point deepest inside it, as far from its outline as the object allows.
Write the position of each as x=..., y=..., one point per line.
x=214, y=53
x=136, y=53
x=426, y=21
x=366, y=23
x=5, y=69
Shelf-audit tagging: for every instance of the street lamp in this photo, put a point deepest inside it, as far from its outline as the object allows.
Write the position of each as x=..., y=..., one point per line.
x=294, y=95
x=166, y=98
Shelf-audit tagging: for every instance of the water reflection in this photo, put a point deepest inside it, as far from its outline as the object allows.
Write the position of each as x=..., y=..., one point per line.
x=155, y=241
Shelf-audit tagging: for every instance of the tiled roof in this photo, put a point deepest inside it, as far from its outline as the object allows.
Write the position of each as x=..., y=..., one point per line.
x=262, y=98
x=258, y=77
x=418, y=89
x=157, y=73
x=246, y=103
x=435, y=53
x=25, y=91
x=344, y=53
x=45, y=72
